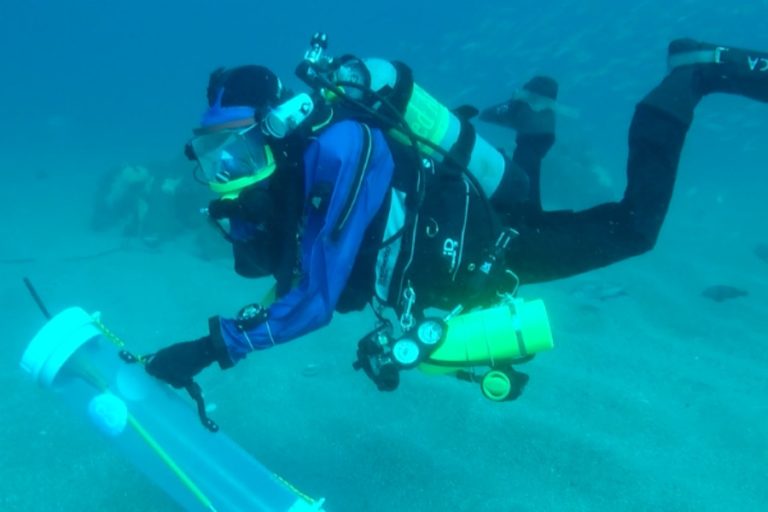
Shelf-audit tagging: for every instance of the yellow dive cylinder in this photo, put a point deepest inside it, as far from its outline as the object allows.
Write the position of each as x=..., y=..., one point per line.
x=430, y=119
x=491, y=337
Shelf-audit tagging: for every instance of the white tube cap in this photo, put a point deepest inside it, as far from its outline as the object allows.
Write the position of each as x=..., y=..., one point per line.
x=56, y=342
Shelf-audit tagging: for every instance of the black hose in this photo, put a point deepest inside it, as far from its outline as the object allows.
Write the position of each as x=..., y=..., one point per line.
x=37, y=299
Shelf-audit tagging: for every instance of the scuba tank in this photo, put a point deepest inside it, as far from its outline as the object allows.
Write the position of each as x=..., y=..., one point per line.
x=449, y=136
x=386, y=92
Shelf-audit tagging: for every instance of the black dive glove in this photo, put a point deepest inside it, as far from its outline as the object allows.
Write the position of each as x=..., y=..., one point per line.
x=179, y=363
x=223, y=208
x=254, y=204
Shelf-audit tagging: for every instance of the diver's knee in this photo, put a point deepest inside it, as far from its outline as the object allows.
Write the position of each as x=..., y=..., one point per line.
x=643, y=237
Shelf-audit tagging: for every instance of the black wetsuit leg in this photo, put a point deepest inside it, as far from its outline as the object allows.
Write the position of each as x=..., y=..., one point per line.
x=559, y=244
x=526, y=160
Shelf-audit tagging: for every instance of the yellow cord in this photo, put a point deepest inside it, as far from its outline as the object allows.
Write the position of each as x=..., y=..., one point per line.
x=180, y=474
x=90, y=375
x=108, y=333
x=294, y=489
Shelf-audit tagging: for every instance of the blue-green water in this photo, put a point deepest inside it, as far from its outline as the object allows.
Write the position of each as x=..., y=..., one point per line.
x=652, y=400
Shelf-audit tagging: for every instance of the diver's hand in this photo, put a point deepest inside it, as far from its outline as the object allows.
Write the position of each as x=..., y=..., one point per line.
x=223, y=208
x=179, y=363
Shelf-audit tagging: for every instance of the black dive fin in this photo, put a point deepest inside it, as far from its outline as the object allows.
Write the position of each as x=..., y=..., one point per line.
x=516, y=112
x=466, y=112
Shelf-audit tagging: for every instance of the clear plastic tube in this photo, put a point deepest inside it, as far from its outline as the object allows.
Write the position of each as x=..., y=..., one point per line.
x=159, y=431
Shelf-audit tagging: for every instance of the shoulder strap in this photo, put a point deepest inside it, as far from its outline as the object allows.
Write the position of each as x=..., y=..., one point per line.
x=364, y=159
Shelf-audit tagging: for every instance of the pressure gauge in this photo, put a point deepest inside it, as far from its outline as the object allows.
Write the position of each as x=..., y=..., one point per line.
x=431, y=332
x=406, y=352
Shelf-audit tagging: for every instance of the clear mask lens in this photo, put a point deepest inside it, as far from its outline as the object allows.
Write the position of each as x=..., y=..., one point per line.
x=228, y=155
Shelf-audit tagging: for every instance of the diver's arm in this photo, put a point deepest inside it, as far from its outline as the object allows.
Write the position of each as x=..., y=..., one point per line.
x=327, y=258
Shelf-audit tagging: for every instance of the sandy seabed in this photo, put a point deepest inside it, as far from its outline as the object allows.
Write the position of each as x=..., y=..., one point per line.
x=652, y=400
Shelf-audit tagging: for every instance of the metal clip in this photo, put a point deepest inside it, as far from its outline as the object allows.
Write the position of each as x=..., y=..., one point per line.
x=454, y=312
x=406, y=319
x=505, y=237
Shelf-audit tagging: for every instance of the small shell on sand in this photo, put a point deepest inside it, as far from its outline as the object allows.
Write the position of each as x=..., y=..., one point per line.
x=311, y=370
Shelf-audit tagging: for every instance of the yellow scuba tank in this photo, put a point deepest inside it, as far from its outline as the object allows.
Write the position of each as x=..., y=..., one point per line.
x=493, y=337
x=425, y=116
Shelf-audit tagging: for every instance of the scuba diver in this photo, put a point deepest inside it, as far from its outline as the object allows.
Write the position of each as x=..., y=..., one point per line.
x=370, y=191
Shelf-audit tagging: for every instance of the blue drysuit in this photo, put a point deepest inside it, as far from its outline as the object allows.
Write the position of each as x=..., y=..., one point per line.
x=333, y=158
